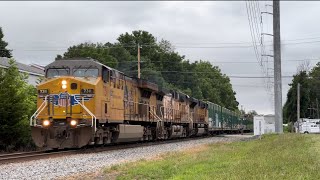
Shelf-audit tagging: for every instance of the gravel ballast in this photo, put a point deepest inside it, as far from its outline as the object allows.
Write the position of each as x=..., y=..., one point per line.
x=86, y=163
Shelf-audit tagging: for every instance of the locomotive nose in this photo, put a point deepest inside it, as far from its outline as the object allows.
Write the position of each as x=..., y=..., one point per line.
x=65, y=97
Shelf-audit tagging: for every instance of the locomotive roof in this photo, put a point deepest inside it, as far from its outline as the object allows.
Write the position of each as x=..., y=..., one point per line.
x=76, y=62
x=88, y=62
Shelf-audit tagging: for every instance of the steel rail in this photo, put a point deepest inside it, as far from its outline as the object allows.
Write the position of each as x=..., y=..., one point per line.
x=33, y=155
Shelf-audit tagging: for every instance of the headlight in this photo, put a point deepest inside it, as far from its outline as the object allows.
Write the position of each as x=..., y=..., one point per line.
x=64, y=84
x=73, y=122
x=46, y=123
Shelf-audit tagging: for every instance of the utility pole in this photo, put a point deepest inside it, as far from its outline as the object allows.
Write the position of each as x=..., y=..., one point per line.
x=277, y=68
x=242, y=115
x=139, y=61
x=317, y=108
x=298, y=106
x=241, y=118
x=313, y=116
x=310, y=112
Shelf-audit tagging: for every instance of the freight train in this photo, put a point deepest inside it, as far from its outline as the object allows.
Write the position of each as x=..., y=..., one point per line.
x=83, y=102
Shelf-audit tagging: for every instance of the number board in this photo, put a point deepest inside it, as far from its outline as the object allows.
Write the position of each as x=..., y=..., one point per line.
x=87, y=91
x=43, y=91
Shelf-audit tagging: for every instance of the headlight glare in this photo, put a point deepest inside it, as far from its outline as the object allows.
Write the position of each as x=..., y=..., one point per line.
x=46, y=123
x=73, y=122
x=64, y=86
x=64, y=82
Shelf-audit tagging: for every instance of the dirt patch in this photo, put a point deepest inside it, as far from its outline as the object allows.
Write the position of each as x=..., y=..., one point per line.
x=196, y=149
x=82, y=176
x=156, y=157
x=98, y=175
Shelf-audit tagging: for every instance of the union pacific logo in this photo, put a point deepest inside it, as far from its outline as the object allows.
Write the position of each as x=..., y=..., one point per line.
x=64, y=99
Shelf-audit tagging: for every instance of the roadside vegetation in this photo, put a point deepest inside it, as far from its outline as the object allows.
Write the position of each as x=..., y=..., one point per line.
x=17, y=103
x=309, y=79
x=286, y=156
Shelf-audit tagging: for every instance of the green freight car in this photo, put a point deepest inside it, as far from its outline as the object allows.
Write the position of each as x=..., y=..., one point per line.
x=222, y=120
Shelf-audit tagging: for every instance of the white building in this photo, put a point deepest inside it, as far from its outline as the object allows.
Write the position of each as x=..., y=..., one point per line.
x=34, y=71
x=263, y=124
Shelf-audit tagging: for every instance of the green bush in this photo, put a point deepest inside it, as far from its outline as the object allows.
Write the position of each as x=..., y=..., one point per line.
x=18, y=102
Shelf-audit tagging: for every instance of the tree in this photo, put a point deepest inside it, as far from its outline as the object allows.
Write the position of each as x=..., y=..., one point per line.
x=251, y=114
x=4, y=52
x=214, y=86
x=290, y=107
x=309, y=94
x=18, y=102
x=98, y=51
x=143, y=38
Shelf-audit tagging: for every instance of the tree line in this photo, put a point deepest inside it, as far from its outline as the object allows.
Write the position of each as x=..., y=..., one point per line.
x=309, y=94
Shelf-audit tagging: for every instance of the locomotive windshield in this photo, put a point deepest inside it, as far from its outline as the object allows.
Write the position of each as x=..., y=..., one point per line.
x=86, y=72
x=57, y=72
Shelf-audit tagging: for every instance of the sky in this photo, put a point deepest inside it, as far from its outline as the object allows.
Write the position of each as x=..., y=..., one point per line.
x=215, y=31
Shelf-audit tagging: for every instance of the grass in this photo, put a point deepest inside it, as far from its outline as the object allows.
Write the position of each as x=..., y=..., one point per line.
x=286, y=156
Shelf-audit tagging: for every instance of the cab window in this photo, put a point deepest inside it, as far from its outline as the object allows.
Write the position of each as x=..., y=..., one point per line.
x=105, y=75
x=57, y=72
x=86, y=72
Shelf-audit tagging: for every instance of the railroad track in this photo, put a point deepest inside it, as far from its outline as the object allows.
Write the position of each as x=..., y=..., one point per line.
x=114, y=147
x=35, y=155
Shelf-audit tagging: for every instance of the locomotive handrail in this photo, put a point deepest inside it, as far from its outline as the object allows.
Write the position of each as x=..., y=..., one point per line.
x=155, y=115
x=93, y=117
x=162, y=114
x=148, y=105
x=38, y=111
x=172, y=111
x=191, y=120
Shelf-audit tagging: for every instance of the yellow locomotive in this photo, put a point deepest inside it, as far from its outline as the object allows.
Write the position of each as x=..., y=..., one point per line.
x=83, y=102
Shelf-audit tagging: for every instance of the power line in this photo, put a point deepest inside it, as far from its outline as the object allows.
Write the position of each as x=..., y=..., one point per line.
x=265, y=55
x=179, y=46
x=219, y=62
x=253, y=12
x=251, y=29
x=191, y=43
x=206, y=72
x=233, y=85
